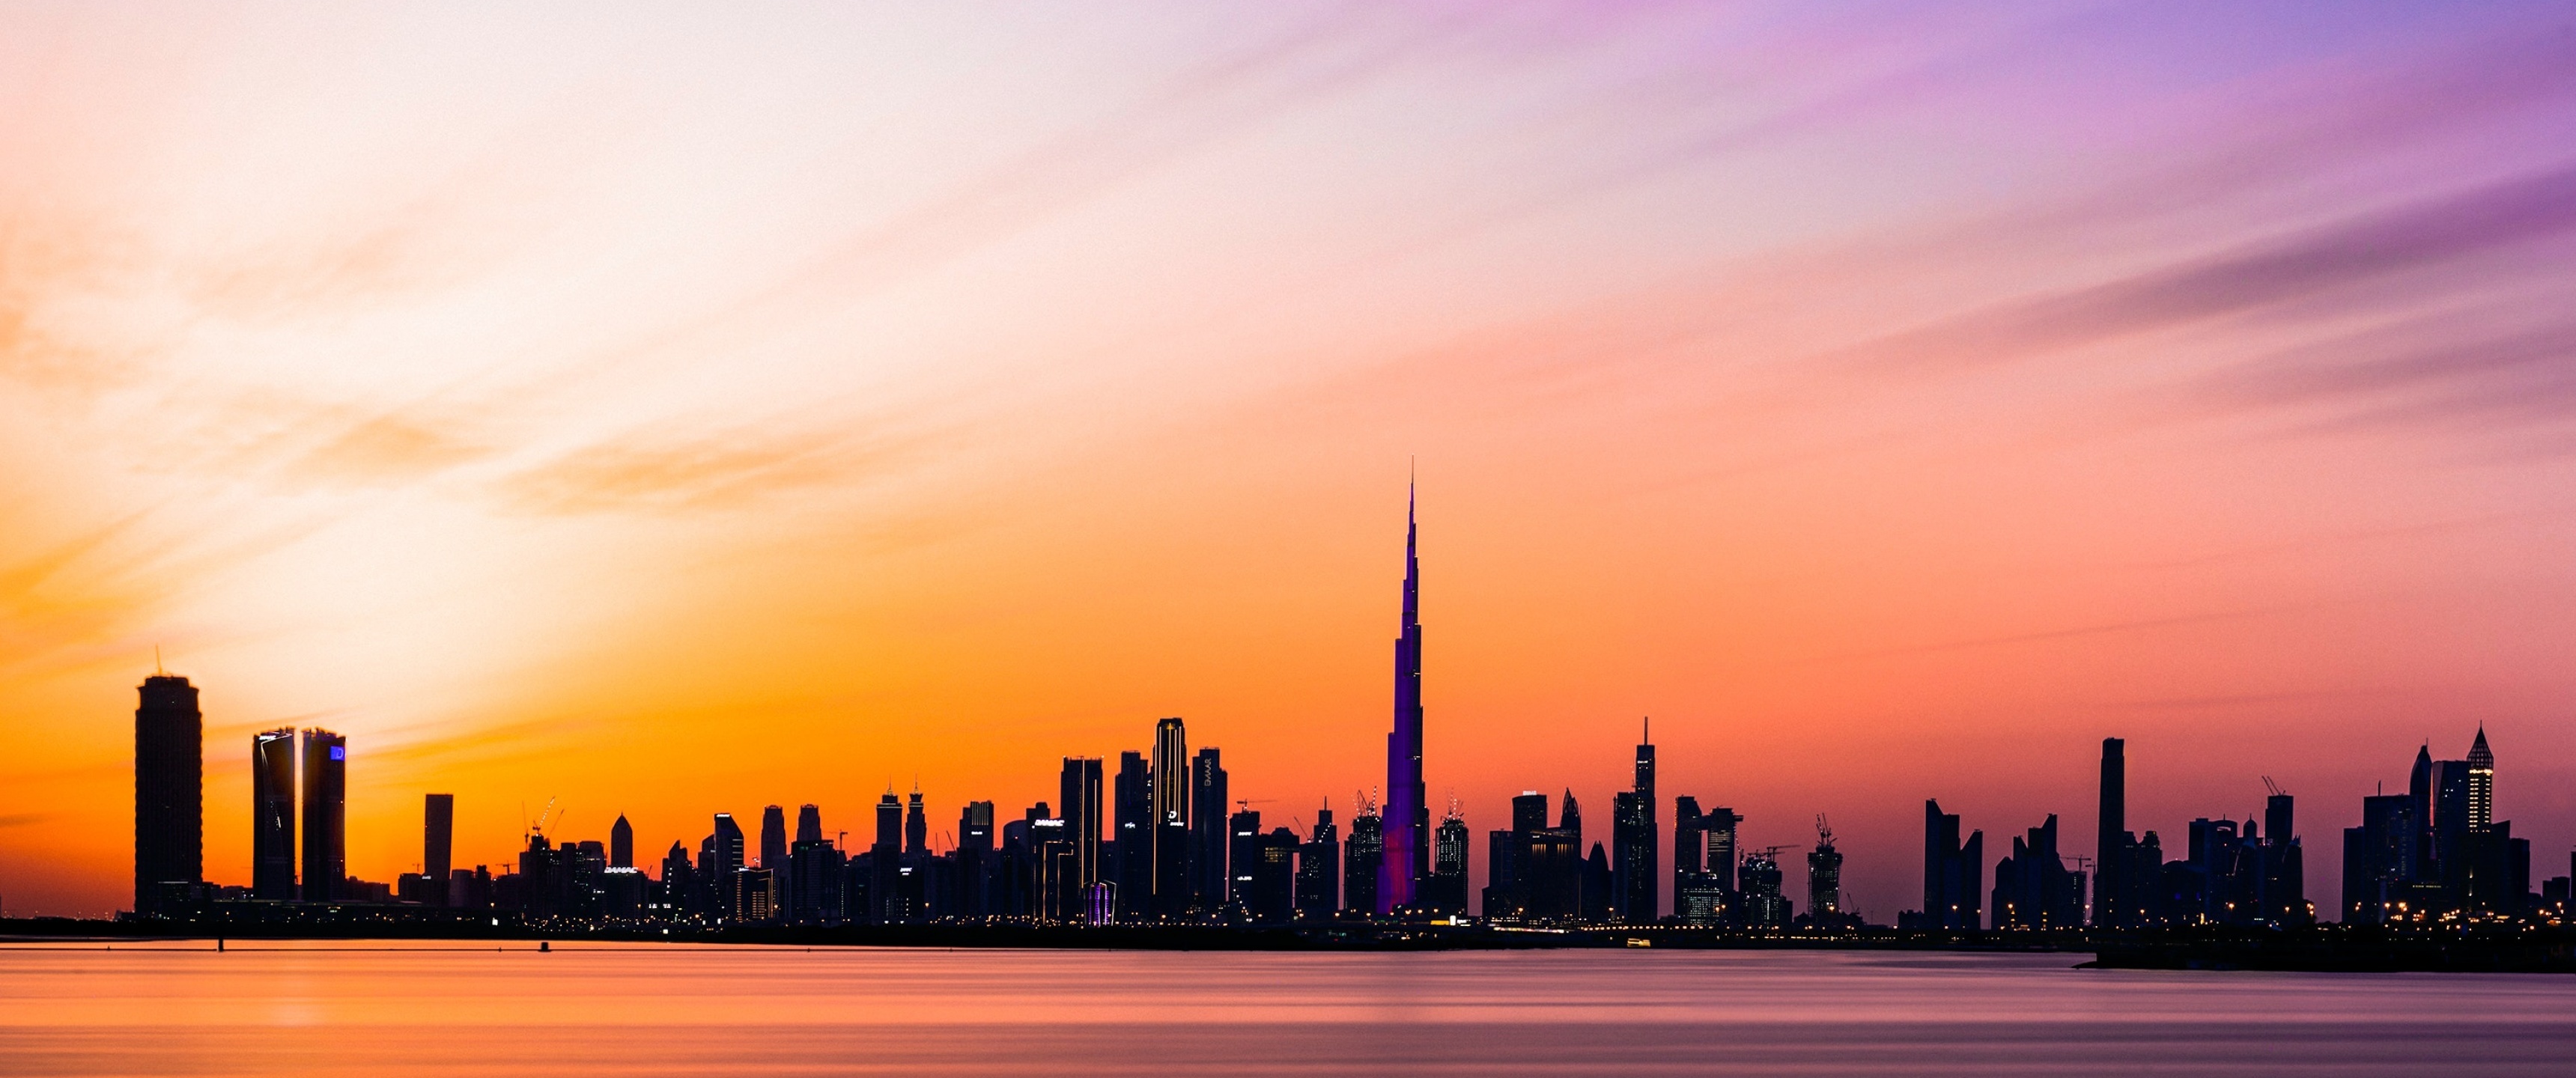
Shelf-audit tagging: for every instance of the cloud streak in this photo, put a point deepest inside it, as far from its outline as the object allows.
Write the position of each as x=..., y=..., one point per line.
x=2304, y=265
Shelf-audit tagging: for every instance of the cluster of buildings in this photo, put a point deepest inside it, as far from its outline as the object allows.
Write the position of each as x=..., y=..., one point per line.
x=2434, y=854
x=1154, y=842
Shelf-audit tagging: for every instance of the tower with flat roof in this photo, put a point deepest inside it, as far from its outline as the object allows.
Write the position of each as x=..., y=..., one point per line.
x=326, y=815
x=169, y=795
x=272, y=814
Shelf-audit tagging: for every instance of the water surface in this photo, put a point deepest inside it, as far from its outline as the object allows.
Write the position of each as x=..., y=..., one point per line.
x=449, y=1009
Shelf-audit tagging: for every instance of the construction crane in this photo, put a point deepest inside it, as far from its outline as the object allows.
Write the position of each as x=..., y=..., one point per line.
x=1824, y=832
x=539, y=827
x=2274, y=788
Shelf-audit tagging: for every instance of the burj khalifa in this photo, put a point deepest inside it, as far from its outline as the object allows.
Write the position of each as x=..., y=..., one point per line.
x=1408, y=818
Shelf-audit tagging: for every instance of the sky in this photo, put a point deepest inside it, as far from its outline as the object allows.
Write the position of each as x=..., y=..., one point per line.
x=668, y=410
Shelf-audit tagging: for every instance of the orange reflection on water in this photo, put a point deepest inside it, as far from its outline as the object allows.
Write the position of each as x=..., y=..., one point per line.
x=289, y=1008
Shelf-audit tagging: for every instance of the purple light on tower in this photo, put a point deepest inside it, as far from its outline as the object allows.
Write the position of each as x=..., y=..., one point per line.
x=1408, y=819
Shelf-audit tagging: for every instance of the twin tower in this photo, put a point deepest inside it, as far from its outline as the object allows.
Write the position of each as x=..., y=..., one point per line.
x=169, y=806
x=326, y=817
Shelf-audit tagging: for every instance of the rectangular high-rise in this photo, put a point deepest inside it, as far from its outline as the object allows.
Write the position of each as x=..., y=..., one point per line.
x=272, y=815
x=438, y=837
x=1131, y=845
x=2110, y=837
x=1208, y=857
x=326, y=815
x=1078, y=787
x=169, y=794
x=1174, y=885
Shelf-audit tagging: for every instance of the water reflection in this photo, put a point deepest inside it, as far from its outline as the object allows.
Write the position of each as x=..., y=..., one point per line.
x=423, y=1009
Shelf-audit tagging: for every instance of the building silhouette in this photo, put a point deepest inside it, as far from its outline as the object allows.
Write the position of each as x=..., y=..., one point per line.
x=1824, y=879
x=1637, y=878
x=2437, y=850
x=1176, y=887
x=272, y=825
x=2033, y=888
x=1319, y=867
x=326, y=815
x=1243, y=857
x=438, y=839
x=1360, y=856
x=1704, y=864
x=1130, y=853
x=1078, y=784
x=1534, y=872
x=169, y=796
x=1953, y=874
x=773, y=836
x=978, y=894
x=1407, y=817
x=720, y=860
x=1445, y=890
x=2112, y=904
x=1758, y=880
x=885, y=862
x=1596, y=887
x=1207, y=857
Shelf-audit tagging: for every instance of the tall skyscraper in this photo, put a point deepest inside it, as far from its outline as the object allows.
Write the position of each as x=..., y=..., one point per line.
x=1208, y=822
x=326, y=815
x=1408, y=818
x=809, y=825
x=2419, y=788
x=773, y=837
x=1635, y=873
x=2481, y=783
x=1131, y=829
x=438, y=837
x=1445, y=889
x=977, y=890
x=169, y=791
x=272, y=824
x=1078, y=790
x=2110, y=836
x=621, y=843
x=1174, y=885
x=720, y=860
x=885, y=861
x=916, y=824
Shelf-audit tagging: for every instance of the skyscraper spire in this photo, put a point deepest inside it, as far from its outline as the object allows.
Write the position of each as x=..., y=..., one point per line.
x=1408, y=818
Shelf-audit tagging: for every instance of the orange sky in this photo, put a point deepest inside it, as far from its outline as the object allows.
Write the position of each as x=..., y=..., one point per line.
x=691, y=412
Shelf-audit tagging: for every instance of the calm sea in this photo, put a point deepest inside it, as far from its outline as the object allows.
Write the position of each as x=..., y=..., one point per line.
x=445, y=1010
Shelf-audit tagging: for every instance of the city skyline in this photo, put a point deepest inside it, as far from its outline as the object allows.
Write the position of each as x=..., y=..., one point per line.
x=316, y=794
x=663, y=414
x=1167, y=849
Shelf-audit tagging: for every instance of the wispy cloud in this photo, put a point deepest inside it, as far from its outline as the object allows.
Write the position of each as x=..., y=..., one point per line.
x=2309, y=263
x=651, y=474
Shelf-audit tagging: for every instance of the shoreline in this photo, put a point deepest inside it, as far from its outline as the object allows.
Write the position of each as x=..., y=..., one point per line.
x=2319, y=949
